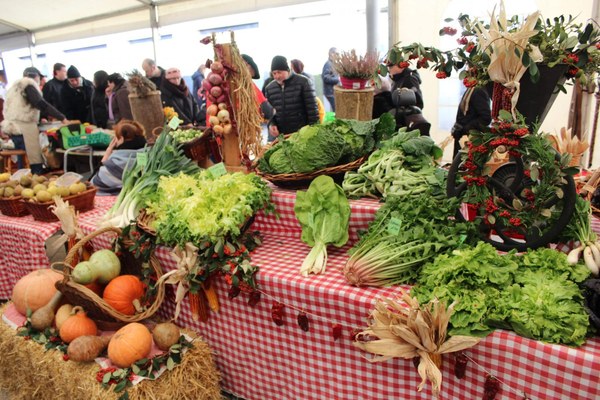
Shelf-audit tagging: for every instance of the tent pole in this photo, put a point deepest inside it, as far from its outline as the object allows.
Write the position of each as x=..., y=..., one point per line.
x=31, y=41
x=154, y=27
x=372, y=8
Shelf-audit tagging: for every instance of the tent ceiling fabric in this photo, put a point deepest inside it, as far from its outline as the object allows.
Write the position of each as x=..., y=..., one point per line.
x=54, y=21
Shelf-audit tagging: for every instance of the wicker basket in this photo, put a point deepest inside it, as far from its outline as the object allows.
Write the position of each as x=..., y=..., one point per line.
x=144, y=222
x=197, y=149
x=587, y=189
x=13, y=207
x=82, y=202
x=303, y=180
x=95, y=306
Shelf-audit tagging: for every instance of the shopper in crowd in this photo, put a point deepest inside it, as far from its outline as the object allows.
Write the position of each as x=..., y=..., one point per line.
x=298, y=68
x=268, y=80
x=128, y=140
x=474, y=113
x=77, y=96
x=153, y=72
x=197, y=78
x=265, y=107
x=53, y=88
x=330, y=79
x=118, y=102
x=98, y=108
x=22, y=107
x=293, y=98
x=404, y=77
x=175, y=93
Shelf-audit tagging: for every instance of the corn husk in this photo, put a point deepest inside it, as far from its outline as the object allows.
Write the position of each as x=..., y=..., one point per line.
x=566, y=143
x=506, y=67
x=396, y=330
x=67, y=215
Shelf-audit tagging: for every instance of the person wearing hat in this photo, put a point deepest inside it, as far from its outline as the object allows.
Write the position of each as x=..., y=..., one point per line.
x=265, y=107
x=175, y=93
x=77, y=96
x=293, y=98
x=22, y=107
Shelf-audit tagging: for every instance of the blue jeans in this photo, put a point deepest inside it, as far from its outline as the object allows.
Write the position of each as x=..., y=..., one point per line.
x=331, y=100
x=20, y=145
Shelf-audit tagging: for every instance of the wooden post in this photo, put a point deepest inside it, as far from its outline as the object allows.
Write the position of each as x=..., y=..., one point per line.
x=232, y=156
x=148, y=111
x=354, y=103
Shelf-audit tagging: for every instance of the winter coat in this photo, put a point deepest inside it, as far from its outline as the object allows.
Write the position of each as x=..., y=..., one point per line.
x=98, y=107
x=53, y=93
x=409, y=79
x=294, y=103
x=76, y=101
x=183, y=103
x=330, y=78
x=17, y=108
x=120, y=103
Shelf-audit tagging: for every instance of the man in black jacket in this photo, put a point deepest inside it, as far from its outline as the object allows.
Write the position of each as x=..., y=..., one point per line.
x=77, y=96
x=53, y=88
x=293, y=99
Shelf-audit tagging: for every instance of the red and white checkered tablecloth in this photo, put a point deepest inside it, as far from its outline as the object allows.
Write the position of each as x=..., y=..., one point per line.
x=259, y=360
x=22, y=244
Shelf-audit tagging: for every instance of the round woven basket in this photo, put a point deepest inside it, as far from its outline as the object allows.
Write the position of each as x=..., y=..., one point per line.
x=144, y=222
x=94, y=305
x=303, y=180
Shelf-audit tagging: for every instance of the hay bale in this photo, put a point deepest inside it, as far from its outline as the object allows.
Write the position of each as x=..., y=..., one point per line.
x=27, y=372
x=354, y=103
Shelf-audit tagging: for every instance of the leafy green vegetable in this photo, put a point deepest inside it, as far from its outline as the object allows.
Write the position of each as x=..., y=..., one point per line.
x=406, y=232
x=324, y=213
x=315, y=147
x=535, y=294
x=201, y=208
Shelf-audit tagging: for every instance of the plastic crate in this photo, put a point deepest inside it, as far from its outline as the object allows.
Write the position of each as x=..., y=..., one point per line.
x=98, y=140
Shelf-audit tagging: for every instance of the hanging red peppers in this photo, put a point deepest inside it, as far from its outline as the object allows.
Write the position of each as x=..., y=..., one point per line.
x=277, y=313
x=460, y=365
x=336, y=331
x=303, y=322
x=254, y=298
x=491, y=388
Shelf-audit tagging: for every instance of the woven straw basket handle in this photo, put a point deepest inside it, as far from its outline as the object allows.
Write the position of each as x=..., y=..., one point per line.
x=66, y=267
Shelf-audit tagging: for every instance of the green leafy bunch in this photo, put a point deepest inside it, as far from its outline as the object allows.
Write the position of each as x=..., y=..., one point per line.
x=536, y=294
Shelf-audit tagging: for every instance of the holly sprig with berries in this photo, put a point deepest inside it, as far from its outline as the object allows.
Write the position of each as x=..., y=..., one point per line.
x=122, y=378
x=534, y=200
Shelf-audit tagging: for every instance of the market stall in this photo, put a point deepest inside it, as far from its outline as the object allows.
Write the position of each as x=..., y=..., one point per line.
x=259, y=359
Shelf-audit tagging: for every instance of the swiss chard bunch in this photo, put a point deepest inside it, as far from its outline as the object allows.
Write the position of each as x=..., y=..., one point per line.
x=324, y=213
x=406, y=233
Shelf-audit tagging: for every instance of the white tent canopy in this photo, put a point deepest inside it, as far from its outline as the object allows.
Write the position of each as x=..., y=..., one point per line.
x=41, y=21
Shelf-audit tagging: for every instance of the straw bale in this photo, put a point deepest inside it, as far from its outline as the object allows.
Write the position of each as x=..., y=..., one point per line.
x=27, y=372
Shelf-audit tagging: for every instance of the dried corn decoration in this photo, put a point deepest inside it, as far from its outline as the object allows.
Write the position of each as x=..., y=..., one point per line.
x=244, y=104
x=67, y=215
x=403, y=328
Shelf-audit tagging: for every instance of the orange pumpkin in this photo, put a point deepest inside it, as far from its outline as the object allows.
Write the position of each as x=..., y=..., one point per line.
x=129, y=344
x=78, y=324
x=35, y=290
x=124, y=293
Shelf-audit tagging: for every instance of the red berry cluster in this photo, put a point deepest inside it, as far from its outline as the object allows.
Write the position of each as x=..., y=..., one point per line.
x=470, y=82
x=462, y=41
x=470, y=47
x=449, y=30
x=441, y=75
x=404, y=64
